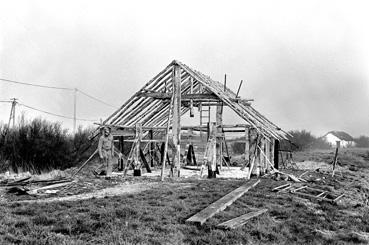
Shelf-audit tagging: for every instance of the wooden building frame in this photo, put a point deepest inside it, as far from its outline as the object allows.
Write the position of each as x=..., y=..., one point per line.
x=151, y=119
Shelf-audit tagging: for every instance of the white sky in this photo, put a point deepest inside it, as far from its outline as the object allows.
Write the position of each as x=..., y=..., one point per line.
x=304, y=62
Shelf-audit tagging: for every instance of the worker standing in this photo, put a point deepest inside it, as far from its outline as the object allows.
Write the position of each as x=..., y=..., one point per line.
x=106, y=150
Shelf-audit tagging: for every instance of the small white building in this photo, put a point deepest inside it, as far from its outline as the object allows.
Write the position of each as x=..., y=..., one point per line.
x=344, y=138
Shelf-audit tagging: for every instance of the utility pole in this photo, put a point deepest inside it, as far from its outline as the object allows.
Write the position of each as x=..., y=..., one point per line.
x=11, y=116
x=75, y=110
x=12, y=112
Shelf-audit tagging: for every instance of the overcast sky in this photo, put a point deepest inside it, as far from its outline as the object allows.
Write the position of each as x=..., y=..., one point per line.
x=304, y=62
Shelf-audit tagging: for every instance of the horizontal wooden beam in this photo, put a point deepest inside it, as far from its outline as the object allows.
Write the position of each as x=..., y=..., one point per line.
x=158, y=95
x=225, y=126
x=194, y=97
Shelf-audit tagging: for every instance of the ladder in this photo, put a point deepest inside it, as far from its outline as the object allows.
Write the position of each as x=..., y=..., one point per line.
x=204, y=118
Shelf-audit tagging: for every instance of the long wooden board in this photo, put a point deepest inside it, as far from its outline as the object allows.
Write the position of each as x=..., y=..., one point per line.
x=222, y=203
x=241, y=220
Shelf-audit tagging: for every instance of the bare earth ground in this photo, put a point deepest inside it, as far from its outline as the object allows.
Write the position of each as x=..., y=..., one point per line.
x=143, y=210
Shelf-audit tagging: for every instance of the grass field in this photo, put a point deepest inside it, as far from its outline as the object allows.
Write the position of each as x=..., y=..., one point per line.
x=157, y=216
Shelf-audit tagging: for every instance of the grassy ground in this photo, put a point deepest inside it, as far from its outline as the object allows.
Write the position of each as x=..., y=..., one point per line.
x=157, y=216
x=356, y=157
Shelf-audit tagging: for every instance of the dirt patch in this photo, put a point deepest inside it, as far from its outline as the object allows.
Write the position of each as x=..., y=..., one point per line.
x=118, y=190
x=225, y=173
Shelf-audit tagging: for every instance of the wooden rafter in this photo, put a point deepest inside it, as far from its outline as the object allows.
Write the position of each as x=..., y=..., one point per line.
x=150, y=105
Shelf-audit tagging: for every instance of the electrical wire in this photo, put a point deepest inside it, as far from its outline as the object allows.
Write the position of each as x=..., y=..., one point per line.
x=60, y=88
x=57, y=115
x=35, y=85
x=94, y=98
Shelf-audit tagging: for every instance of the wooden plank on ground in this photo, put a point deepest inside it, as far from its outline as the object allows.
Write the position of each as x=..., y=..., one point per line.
x=34, y=191
x=222, y=203
x=241, y=220
x=278, y=188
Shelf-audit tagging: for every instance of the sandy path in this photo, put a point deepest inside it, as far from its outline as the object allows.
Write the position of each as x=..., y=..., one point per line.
x=118, y=190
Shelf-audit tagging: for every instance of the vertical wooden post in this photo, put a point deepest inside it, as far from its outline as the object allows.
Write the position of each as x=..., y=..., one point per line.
x=254, y=151
x=151, y=148
x=191, y=101
x=247, y=145
x=276, y=154
x=219, y=134
x=267, y=153
x=165, y=145
x=211, y=151
x=190, y=147
x=271, y=155
x=137, y=163
x=121, y=150
x=262, y=156
x=177, y=120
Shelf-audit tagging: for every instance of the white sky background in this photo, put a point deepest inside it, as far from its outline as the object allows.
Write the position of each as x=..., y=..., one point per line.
x=304, y=62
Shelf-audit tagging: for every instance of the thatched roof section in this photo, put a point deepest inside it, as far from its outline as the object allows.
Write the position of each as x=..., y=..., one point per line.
x=153, y=111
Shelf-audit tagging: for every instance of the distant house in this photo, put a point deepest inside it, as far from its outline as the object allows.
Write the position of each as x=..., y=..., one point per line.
x=344, y=138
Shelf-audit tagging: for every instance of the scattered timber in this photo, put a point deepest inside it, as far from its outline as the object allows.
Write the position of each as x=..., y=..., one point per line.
x=241, y=220
x=222, y=203
x=54, y=186
x=323, y=194
x=278, y=188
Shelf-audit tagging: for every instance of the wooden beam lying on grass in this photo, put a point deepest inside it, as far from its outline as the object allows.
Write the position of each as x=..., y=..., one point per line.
x=241, y=220
x=278, y=188
x=222, y=203
x=54, y=186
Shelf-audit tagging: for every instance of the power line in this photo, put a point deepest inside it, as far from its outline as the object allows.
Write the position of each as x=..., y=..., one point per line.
x=57, y=115
x=94, y=98
x=59, y=88
x=35, y=85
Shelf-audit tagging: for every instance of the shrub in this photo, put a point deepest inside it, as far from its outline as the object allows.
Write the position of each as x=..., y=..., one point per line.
x=39, y=145
x=305, y=140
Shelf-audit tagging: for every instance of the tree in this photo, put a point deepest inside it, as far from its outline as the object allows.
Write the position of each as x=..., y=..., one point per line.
x=362, y=141
x=303, y=139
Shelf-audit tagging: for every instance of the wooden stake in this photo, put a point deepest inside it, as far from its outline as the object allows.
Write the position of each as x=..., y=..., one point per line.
x=335, y=157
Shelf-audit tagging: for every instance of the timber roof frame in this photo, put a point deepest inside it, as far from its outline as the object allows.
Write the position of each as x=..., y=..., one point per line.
x=152, y=111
